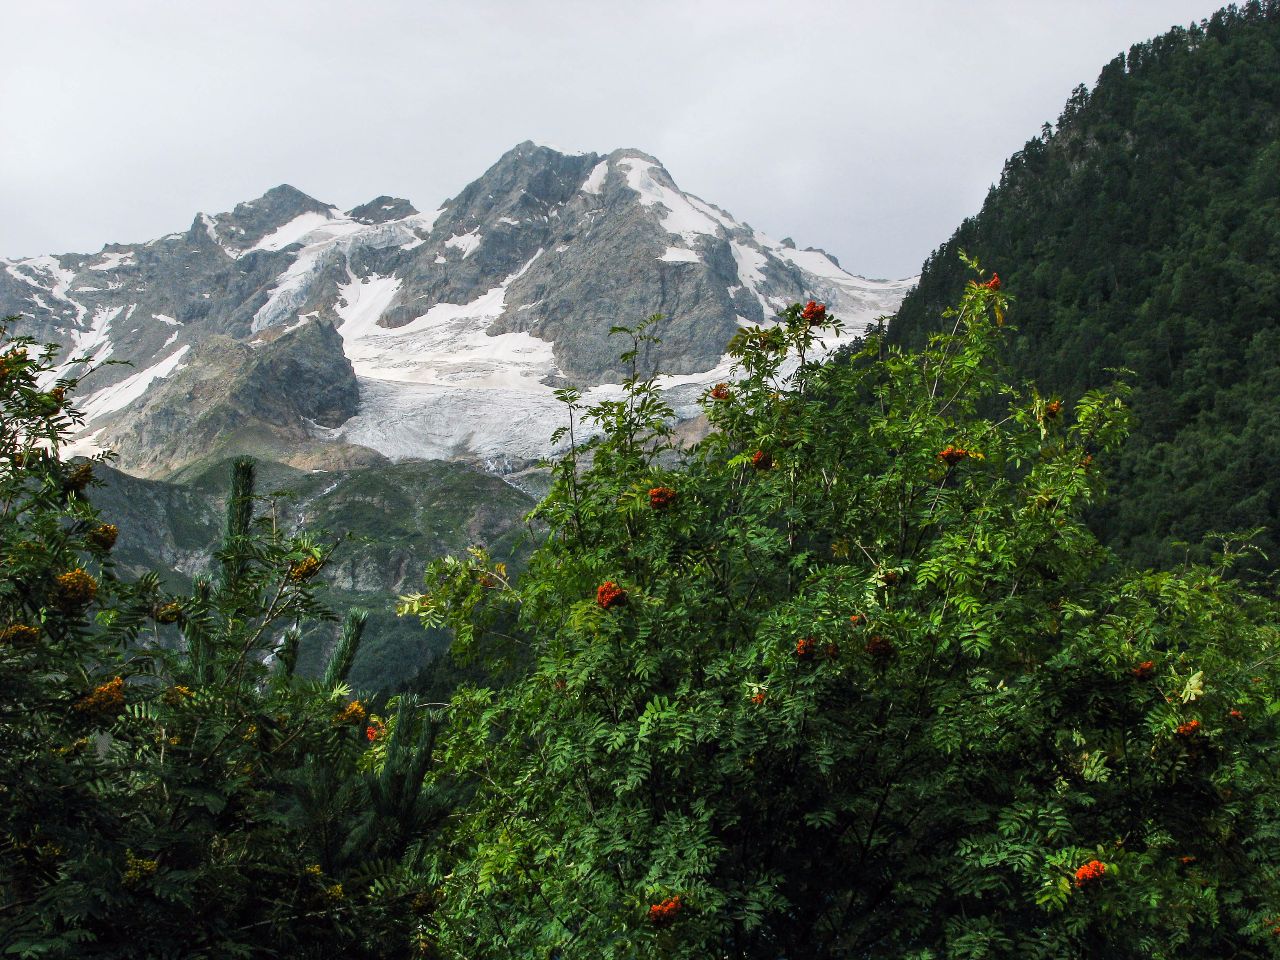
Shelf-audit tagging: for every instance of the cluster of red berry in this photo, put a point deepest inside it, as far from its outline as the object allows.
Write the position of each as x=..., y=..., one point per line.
x=1090, y=872
x=720, y=391
x=609, y=595
x=661, y=497
x=951, y=455
x=805, y=647
x=993, y=283
x=1144, y=670
x=814, y=312
x=762, y=461
x=1188, y=729
x=664, y=914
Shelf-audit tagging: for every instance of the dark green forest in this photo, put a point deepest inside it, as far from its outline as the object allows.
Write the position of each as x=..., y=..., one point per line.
x=1142, y=231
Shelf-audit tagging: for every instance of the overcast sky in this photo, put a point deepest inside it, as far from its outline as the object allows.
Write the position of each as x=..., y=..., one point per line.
x=867, y=128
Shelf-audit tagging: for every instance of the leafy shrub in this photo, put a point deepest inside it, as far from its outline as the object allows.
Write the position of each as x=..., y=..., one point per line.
x=858, y=683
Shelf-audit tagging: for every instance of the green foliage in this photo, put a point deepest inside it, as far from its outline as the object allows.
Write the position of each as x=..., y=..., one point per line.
x=1144, y=232
x=851, y=678
x=168, y=786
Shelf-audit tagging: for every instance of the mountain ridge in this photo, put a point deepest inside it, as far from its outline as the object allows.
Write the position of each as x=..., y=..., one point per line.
x=457, y=323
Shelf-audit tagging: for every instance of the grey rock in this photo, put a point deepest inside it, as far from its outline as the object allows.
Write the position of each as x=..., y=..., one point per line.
x=382, y=210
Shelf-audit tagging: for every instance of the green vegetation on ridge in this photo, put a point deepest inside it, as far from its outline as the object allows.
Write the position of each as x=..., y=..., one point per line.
x=1144, y=232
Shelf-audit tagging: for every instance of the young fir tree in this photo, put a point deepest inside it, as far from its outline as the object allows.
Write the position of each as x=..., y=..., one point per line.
x=169, y=787
x=850, y=678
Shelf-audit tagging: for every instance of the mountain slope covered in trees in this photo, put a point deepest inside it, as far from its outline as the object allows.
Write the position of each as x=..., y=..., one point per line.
x=1143, y=232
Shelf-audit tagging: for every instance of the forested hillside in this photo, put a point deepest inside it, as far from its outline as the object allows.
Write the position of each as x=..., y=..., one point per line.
x=1143, y=231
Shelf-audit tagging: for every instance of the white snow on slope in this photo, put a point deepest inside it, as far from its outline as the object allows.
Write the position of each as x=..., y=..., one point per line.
x=750, y=261
x=595, y=180
x=292, y=232
x=95, y=342
x=466, y=242
x=333, y=239
x=112, y=260
x=447, y=345
x=682, y=216
x=362, y=303
x=679, y=255
x=50, y=276
x=120, y=395
x=211, y=228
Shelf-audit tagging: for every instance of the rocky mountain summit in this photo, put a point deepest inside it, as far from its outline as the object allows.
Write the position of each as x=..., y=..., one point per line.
x=324, y=336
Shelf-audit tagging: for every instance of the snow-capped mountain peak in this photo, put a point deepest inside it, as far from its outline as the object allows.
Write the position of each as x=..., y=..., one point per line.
x=456, y=325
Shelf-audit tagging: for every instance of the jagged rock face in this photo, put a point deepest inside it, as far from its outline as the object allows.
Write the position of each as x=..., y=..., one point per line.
x=258, y=396
x=382, y=210
x=456, y=325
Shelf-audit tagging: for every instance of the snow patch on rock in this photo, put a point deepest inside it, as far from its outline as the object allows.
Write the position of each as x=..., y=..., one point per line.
x=466, y=242
x=110, y=261
x=679, y=255
x=595, y=179
x=120, y=395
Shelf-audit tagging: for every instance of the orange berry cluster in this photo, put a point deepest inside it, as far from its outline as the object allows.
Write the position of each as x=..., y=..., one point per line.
x=664, y=914
x=720, y=391
x=762, y=461
x=661, y=497
x=353, y=712
x=951, y=455
x=1188, y=729
x=805, y=647
x=304, y=569
x=75, y=589
x=879, y=648
x=78, y=479
x=1090, y=872
x=19, y=633
x=106, y=698
x=103, y=536
x=168, y=613
x=1144, y=670
x=610, y=595
x=814, y=312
